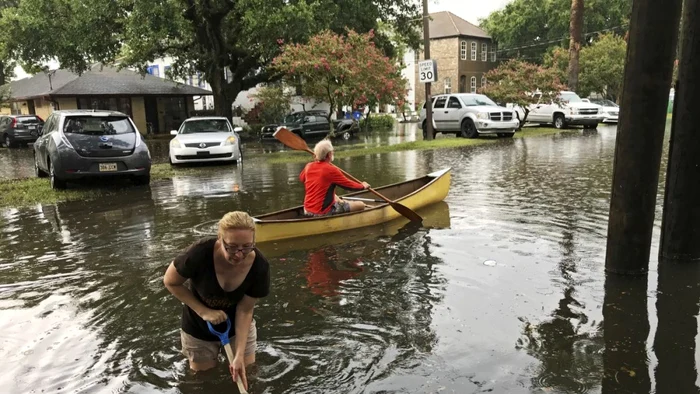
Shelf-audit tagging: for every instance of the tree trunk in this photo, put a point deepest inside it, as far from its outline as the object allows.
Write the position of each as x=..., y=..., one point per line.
x=523, y=120
x=575, y=31
x=367, y=120
x=224, y=93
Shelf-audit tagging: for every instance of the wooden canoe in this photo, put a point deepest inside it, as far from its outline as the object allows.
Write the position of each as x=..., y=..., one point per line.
x=415, y=194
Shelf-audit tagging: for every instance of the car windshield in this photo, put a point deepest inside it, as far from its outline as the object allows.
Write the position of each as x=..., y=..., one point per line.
x=293, y=118
x=570, y=98
x=606, y=103
x=477, y=99
x=28, y=119
x=205, y=126
x=98, y=125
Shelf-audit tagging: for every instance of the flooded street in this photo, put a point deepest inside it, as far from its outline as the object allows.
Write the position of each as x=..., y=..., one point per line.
x=503, y=290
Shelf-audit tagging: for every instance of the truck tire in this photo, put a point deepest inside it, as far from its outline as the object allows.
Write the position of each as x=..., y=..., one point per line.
x=468, y=129
x=559, y=121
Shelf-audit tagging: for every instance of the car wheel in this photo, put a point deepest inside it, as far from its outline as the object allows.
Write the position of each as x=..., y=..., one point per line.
x=469, y=129
x=56, y=183
x=37, y=171
x=142, y=179
x=346, y=135
x=8, y=141
x=559, y=121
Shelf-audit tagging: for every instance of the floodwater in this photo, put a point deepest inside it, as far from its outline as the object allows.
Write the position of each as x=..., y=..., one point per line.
x=502, y=290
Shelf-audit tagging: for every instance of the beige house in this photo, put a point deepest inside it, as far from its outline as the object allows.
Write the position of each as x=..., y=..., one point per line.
x=463, y=52
x=152, y=102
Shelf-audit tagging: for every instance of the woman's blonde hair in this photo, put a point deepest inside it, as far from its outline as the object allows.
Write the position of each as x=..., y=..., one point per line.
x=236, y=220
x=322, y=149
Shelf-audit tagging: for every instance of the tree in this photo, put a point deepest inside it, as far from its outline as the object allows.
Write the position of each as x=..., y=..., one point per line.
x=516, y=82
x=342, y=71
x=575, y=33
x=275, y=102
x=603, y=66
x=529, y=28
x=230, y=42
x=558, y=59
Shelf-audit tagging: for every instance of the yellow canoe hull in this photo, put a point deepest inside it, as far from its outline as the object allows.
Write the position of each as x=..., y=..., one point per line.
x=414, y=194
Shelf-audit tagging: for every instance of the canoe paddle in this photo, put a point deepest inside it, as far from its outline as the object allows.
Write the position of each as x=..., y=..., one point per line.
x=223, y=337
x=297, y=143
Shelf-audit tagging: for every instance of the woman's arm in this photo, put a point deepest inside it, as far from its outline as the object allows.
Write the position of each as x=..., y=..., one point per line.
x=174, y=282
x=244, y=317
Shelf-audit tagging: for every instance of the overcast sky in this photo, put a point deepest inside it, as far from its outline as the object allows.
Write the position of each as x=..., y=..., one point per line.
x=470, y=10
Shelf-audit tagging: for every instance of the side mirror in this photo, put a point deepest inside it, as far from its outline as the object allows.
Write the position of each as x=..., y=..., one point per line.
x=173, y=132
x=237, y=129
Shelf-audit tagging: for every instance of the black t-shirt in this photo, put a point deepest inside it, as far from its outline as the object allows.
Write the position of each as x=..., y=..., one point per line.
x=197, y=264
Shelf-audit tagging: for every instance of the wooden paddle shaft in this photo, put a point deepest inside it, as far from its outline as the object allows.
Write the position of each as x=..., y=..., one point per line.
x=229, y=355
x=376, y=193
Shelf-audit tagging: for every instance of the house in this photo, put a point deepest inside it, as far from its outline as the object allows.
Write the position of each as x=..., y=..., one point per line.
x=464, y=54
x=153, y=103
x=160, y=68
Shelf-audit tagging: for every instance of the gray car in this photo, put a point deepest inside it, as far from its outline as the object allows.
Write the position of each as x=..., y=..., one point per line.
x=77, y=144
x=19, y=129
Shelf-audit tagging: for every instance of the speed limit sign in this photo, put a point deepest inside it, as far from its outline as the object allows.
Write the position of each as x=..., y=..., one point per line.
x=427, y=71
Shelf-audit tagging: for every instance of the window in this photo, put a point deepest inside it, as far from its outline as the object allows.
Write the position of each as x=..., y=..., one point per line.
x=121, y=104
x=154, y=70
x=484, y=53
x=440, y=102
x=473, y=50
x=200, y=80
x=448, y=86
x=463, y=84
x=463, y=50
x=473, y=84
x=16, y=108
x=477, y=100
x=493, y=52
x=483, y=81
x=205, y=126
x=94, y=125
x=454, y=103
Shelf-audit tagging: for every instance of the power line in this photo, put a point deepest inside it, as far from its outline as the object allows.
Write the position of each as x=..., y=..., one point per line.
x=560, y=39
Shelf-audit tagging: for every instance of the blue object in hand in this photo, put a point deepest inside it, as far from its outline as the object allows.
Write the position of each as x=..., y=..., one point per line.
x=223, y=336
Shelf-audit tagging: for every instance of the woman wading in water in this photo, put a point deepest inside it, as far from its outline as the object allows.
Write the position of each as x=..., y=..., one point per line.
x=227, y=274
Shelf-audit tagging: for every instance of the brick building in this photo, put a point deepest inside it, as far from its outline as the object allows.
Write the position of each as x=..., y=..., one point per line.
x=463, y=52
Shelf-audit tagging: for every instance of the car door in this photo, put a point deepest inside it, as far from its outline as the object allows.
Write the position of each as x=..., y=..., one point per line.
x=453, y=112
x=440, y=119
x=321, y=126
x=308, y=124
x=41, y=144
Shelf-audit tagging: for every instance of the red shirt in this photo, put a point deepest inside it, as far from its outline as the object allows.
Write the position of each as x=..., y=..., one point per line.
x=320, y=179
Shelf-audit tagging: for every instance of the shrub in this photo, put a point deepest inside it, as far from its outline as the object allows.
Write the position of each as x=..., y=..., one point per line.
x=378, y=122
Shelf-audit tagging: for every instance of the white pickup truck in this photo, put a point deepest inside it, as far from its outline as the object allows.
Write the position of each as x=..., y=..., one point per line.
x=570, y=110
x=469, y=115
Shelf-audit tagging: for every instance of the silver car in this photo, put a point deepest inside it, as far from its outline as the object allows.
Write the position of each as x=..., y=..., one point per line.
x=205, y=139
x=77, y=144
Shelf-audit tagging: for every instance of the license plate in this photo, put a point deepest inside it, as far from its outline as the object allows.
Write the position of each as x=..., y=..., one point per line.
x=32, y=127
x=107, y=167
x=203, y=153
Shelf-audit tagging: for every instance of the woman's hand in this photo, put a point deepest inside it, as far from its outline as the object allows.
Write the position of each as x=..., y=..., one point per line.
x=237, y=369
x=214, y=316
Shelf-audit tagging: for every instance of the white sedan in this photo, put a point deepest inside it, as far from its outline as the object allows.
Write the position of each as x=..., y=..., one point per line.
x=205, y=139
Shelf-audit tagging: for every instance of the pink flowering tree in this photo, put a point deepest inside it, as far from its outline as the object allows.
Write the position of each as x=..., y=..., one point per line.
x=342, y=70
x=516, y=81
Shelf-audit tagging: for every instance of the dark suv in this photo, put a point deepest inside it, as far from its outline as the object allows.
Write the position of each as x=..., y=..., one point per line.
x=312, y=124
x=19, y=129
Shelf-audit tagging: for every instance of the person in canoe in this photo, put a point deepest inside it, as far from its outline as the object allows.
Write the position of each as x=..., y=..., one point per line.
x=320, y=178
x=227, y=274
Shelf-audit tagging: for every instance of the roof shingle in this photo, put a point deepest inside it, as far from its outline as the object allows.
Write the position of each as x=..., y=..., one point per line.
x=446, y=24
x=99, y=80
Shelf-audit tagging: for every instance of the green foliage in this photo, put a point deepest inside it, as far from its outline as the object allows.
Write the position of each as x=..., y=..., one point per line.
x=275, y=102
x=558, y=60
x=535, y=26
x=378, y=122
x=603, y=66
x=515, y=82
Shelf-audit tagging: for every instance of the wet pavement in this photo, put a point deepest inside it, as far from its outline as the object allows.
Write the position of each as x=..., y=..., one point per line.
x=503, y=289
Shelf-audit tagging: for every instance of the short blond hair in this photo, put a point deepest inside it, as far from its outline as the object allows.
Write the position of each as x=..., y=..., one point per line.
x=322, y=149
x=236, y=220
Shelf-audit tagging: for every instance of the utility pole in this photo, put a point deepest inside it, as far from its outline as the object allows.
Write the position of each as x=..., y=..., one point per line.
x=652, y=47
x=426, y=56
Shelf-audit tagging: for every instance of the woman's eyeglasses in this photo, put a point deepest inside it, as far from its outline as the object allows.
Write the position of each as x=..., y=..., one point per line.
x=233, y=249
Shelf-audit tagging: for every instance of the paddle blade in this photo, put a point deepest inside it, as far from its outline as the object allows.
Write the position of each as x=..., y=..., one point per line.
x=407, y=212
x=290, y=139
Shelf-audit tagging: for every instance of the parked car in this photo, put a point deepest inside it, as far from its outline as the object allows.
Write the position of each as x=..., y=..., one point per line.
x=469, y=115
x=570, y=110
x=611, y=110
x=19, y=129
x=76, y=144
x=205, y=139
x=312, y=124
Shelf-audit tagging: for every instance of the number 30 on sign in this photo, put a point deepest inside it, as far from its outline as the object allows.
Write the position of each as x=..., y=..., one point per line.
x=427, y=71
